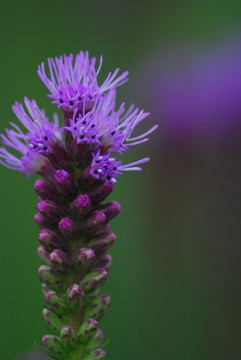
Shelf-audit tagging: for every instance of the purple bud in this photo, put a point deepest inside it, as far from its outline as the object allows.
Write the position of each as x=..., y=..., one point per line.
x=67, y=226
x=59, y=157
x=75, y=296
x=42, y=221
x=52, y=321
x=53, y=346
x=43, y=255
x=100, y=192
x=52, y=280
x=45, y=190
x=85, y=180
x=68, y=336
x=103, y=262
x=56, y=301
x=47, y=171
x=104, y=228
x=49, y=239
x=85, y=257
x=102, y=242
x=81, y=205
x=97, y=340
x=93, y=221
x=94, y=279
x=44, y=289
x=50, y=210
x=87, y=331
x=98, y=354
x=66, y=183
x=110, y=209
x=59, y=260
x=98, y=307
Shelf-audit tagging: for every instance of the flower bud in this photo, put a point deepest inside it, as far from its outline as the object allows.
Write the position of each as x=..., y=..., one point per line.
x=98, y=354
x=49, y=239
x=56, y=301
x=50, y=210
x=52, y=321
x=43, y=255
x=68, y=227
x=47, y=171
x=98, y=307
x=102, y=242
x=66, y=183
x=87, y=331
x=42, y=221
x=85, y=180
x=96, y=340
x=94, y=279
x=110, y=209
x=85, y=257
x=106, y=227
x=93, y=222
x=53, y=347
x=59, y=260
x=68, y=337
x=102, y=262
x=44, y=289
x=81, y=205
x=100, y=192
x=52, y=280
x=45, y=190
x=75, y=296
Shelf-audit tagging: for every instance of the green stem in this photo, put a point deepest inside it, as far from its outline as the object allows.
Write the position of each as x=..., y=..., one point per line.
x=76, y=354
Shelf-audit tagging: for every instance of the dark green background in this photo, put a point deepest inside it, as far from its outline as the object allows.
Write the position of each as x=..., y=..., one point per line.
x=175, y=280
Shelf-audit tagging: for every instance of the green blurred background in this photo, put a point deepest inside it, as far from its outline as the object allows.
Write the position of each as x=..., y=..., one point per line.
x=176, y=277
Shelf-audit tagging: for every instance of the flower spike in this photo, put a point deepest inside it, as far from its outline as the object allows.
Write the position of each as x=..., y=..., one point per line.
x=79, y=161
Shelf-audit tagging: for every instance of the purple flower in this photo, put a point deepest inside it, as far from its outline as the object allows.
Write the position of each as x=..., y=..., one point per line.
x=38, y=141
x=79, y=171
x=30, y=163
x=90, y=118
x=73, y=80
x=108, y=168
x=42, y=133
x=107, y=127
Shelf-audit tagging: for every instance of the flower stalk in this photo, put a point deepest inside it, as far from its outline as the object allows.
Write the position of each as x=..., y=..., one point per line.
x=78, y=165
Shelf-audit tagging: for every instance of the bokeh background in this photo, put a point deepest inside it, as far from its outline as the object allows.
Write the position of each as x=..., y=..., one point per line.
x=176, y=278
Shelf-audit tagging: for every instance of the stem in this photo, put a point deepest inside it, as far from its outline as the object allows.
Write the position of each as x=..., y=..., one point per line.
x=76, y=354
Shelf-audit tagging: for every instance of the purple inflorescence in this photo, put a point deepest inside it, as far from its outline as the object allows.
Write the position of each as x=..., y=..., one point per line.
x=79, y=162
x=72, y=81
x=90, y=117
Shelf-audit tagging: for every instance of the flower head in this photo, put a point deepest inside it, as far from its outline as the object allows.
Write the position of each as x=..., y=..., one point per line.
x=94, y=128
x=72, y=80
x=28, y=163
x=106, y=167
x=110, y=128
x=42, y=133
x=39, y=139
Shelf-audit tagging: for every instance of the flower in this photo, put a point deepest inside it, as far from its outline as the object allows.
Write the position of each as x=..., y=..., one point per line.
x=110, y=128
x=38, y=141
x=79, y=170
x=42, y=133
x=90, y=118
x=108, y=168
x=73, y=80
